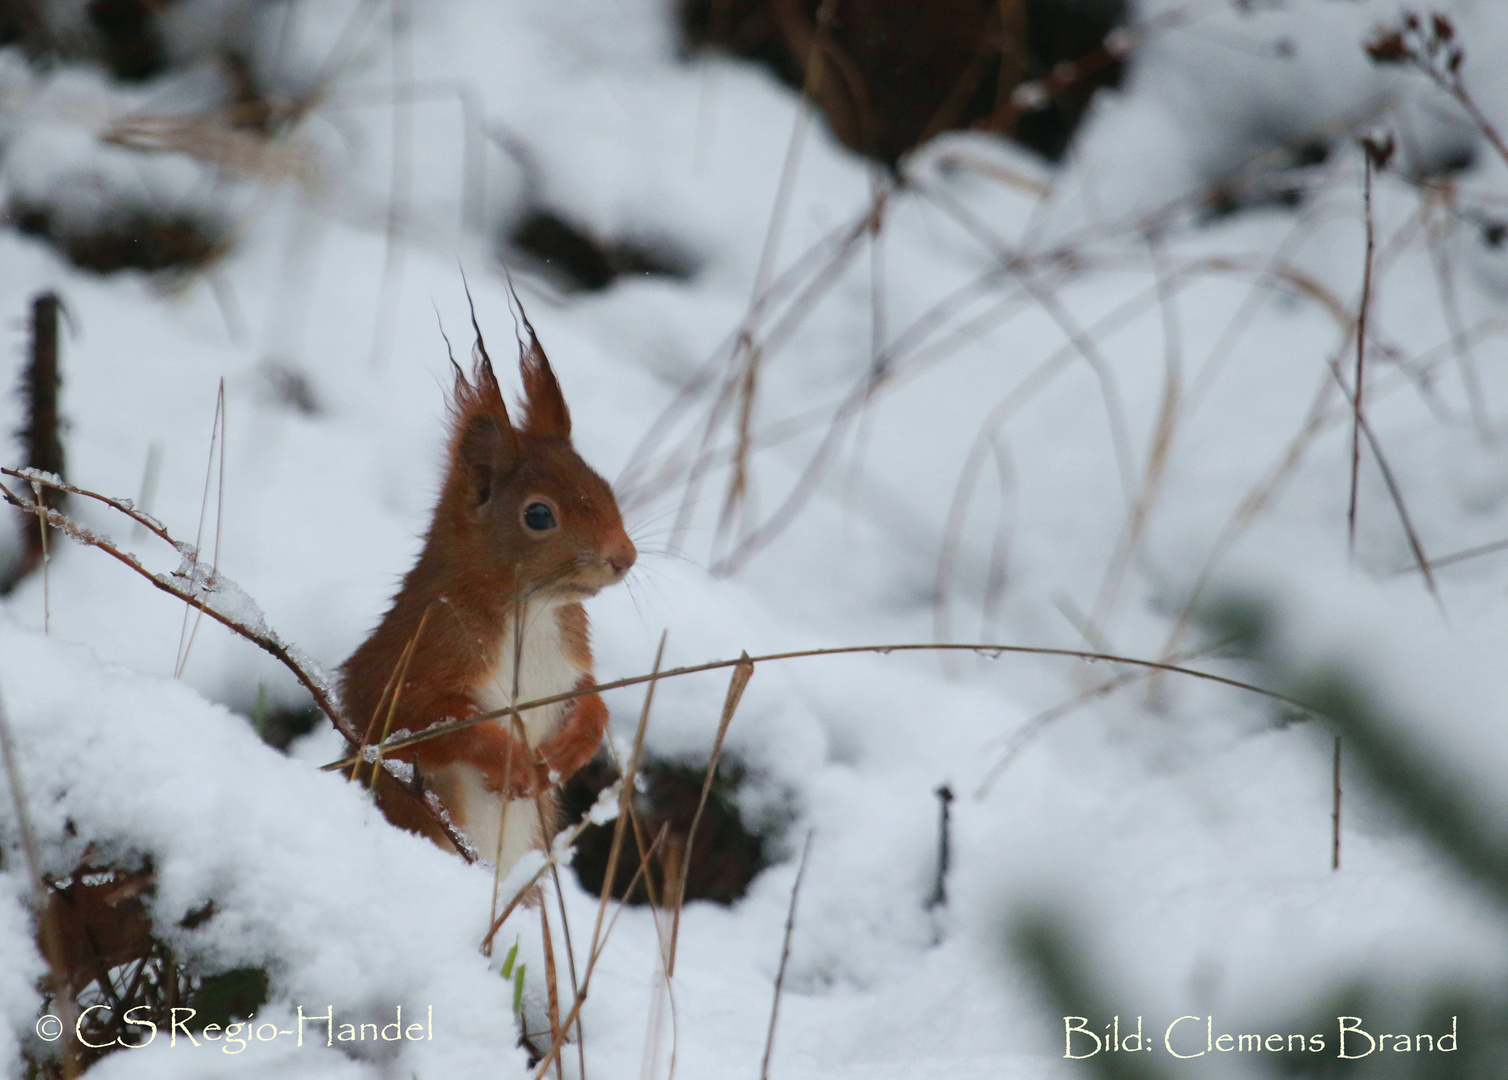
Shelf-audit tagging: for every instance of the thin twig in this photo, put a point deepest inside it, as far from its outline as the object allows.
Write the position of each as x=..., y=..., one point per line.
x=1359, y=379
x=145, y=520
x=248, y=622
x=785, y=956
x=263, y=638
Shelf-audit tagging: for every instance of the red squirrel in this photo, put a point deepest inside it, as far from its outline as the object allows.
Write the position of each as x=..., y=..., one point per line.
x=523, y=531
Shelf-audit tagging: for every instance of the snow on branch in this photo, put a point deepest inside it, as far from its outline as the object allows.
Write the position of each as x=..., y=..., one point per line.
x=205, y=588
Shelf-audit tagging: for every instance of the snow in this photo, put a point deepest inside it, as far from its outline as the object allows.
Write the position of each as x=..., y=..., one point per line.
x=984, y=495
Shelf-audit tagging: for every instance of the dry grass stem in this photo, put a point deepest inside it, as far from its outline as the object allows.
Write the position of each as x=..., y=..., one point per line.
x=198, y=597
x=216, y=438
x=552, y=991
x=1018, y=741
x=748, y=363
x=1335, y=811
x=597, y=947
x=988, y=650
x=1358, y=382
x=552, y=859
x=1164, y=430
x=743, y=671
x=400, y=675
x=785, y=956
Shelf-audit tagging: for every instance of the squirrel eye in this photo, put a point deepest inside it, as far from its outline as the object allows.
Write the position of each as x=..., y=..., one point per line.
x=538, y=517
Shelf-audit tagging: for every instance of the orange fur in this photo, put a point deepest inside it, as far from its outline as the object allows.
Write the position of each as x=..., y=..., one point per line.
x=484, y=572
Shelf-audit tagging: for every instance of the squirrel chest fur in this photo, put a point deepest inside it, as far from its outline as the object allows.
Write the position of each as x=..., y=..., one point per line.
x=490, y=617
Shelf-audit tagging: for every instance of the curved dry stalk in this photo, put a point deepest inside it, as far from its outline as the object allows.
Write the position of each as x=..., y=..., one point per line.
x=1018, y=740
x=1395, y=493
x=1163, y=431
x=1252, y=504
x=1035, y=381
x=812, y=272
x=1023, y=269
x=989, y=650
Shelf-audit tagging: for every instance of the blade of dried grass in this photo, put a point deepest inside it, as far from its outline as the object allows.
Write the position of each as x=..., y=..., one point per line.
x=400, y=674
x=565, y=931
x=552, y=860
x=743, y=671
x=1457, y=556
x=785, y=956
x=216, y=434
x=626, y=794
x=1410, y=533
x=591, y=963
x=552, y=990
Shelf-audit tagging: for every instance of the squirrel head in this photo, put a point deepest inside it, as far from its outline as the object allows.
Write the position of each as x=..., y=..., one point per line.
x=519, y=505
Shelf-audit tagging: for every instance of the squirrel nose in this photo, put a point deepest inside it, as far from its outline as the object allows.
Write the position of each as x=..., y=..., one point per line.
x=622, y=556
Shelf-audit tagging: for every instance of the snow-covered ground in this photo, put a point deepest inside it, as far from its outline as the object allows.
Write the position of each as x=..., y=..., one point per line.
x=1089, y=407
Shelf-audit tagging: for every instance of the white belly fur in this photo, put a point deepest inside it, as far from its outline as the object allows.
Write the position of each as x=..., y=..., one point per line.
x=503, y=830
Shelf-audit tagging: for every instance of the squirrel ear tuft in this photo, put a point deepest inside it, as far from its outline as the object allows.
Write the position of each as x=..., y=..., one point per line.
x=545, y=412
